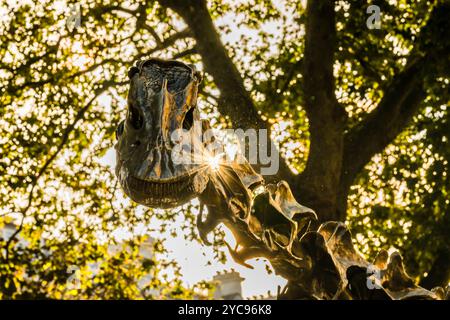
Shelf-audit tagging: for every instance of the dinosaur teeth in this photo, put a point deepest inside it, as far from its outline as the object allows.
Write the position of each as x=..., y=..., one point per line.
x=163, y=194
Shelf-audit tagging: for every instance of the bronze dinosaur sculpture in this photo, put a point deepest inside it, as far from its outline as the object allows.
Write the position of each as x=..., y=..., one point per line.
x=319, y=262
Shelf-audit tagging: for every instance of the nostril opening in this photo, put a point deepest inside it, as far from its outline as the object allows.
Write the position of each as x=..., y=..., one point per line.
x=188, y=120
x=136, y=143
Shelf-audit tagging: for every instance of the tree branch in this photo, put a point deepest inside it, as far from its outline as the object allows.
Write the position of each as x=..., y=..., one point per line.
x=320, y=178
x=319, y=57
x=238, y=103
x=234, y=100
x=401, y=101
x=399, y=104
x=185, y=53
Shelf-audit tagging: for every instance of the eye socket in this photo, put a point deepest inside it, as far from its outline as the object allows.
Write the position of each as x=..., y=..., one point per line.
x=135, y=118
x=132, y=72
x=188, y=120
x=119, y=129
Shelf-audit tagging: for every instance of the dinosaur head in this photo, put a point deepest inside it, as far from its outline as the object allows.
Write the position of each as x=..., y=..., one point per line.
x=162, y=99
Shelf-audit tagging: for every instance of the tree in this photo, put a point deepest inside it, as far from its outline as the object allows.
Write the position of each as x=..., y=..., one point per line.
x=365, y=114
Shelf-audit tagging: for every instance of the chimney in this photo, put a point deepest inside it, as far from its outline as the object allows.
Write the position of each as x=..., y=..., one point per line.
x=228, y=285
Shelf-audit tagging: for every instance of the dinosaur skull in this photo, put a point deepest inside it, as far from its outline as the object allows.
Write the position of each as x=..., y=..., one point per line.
x=162, y=98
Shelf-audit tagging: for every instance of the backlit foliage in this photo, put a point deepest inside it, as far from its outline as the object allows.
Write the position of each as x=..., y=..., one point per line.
x=62, y=94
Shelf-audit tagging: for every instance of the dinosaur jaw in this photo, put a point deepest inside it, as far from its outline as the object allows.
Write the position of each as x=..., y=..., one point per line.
x=164, y=193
